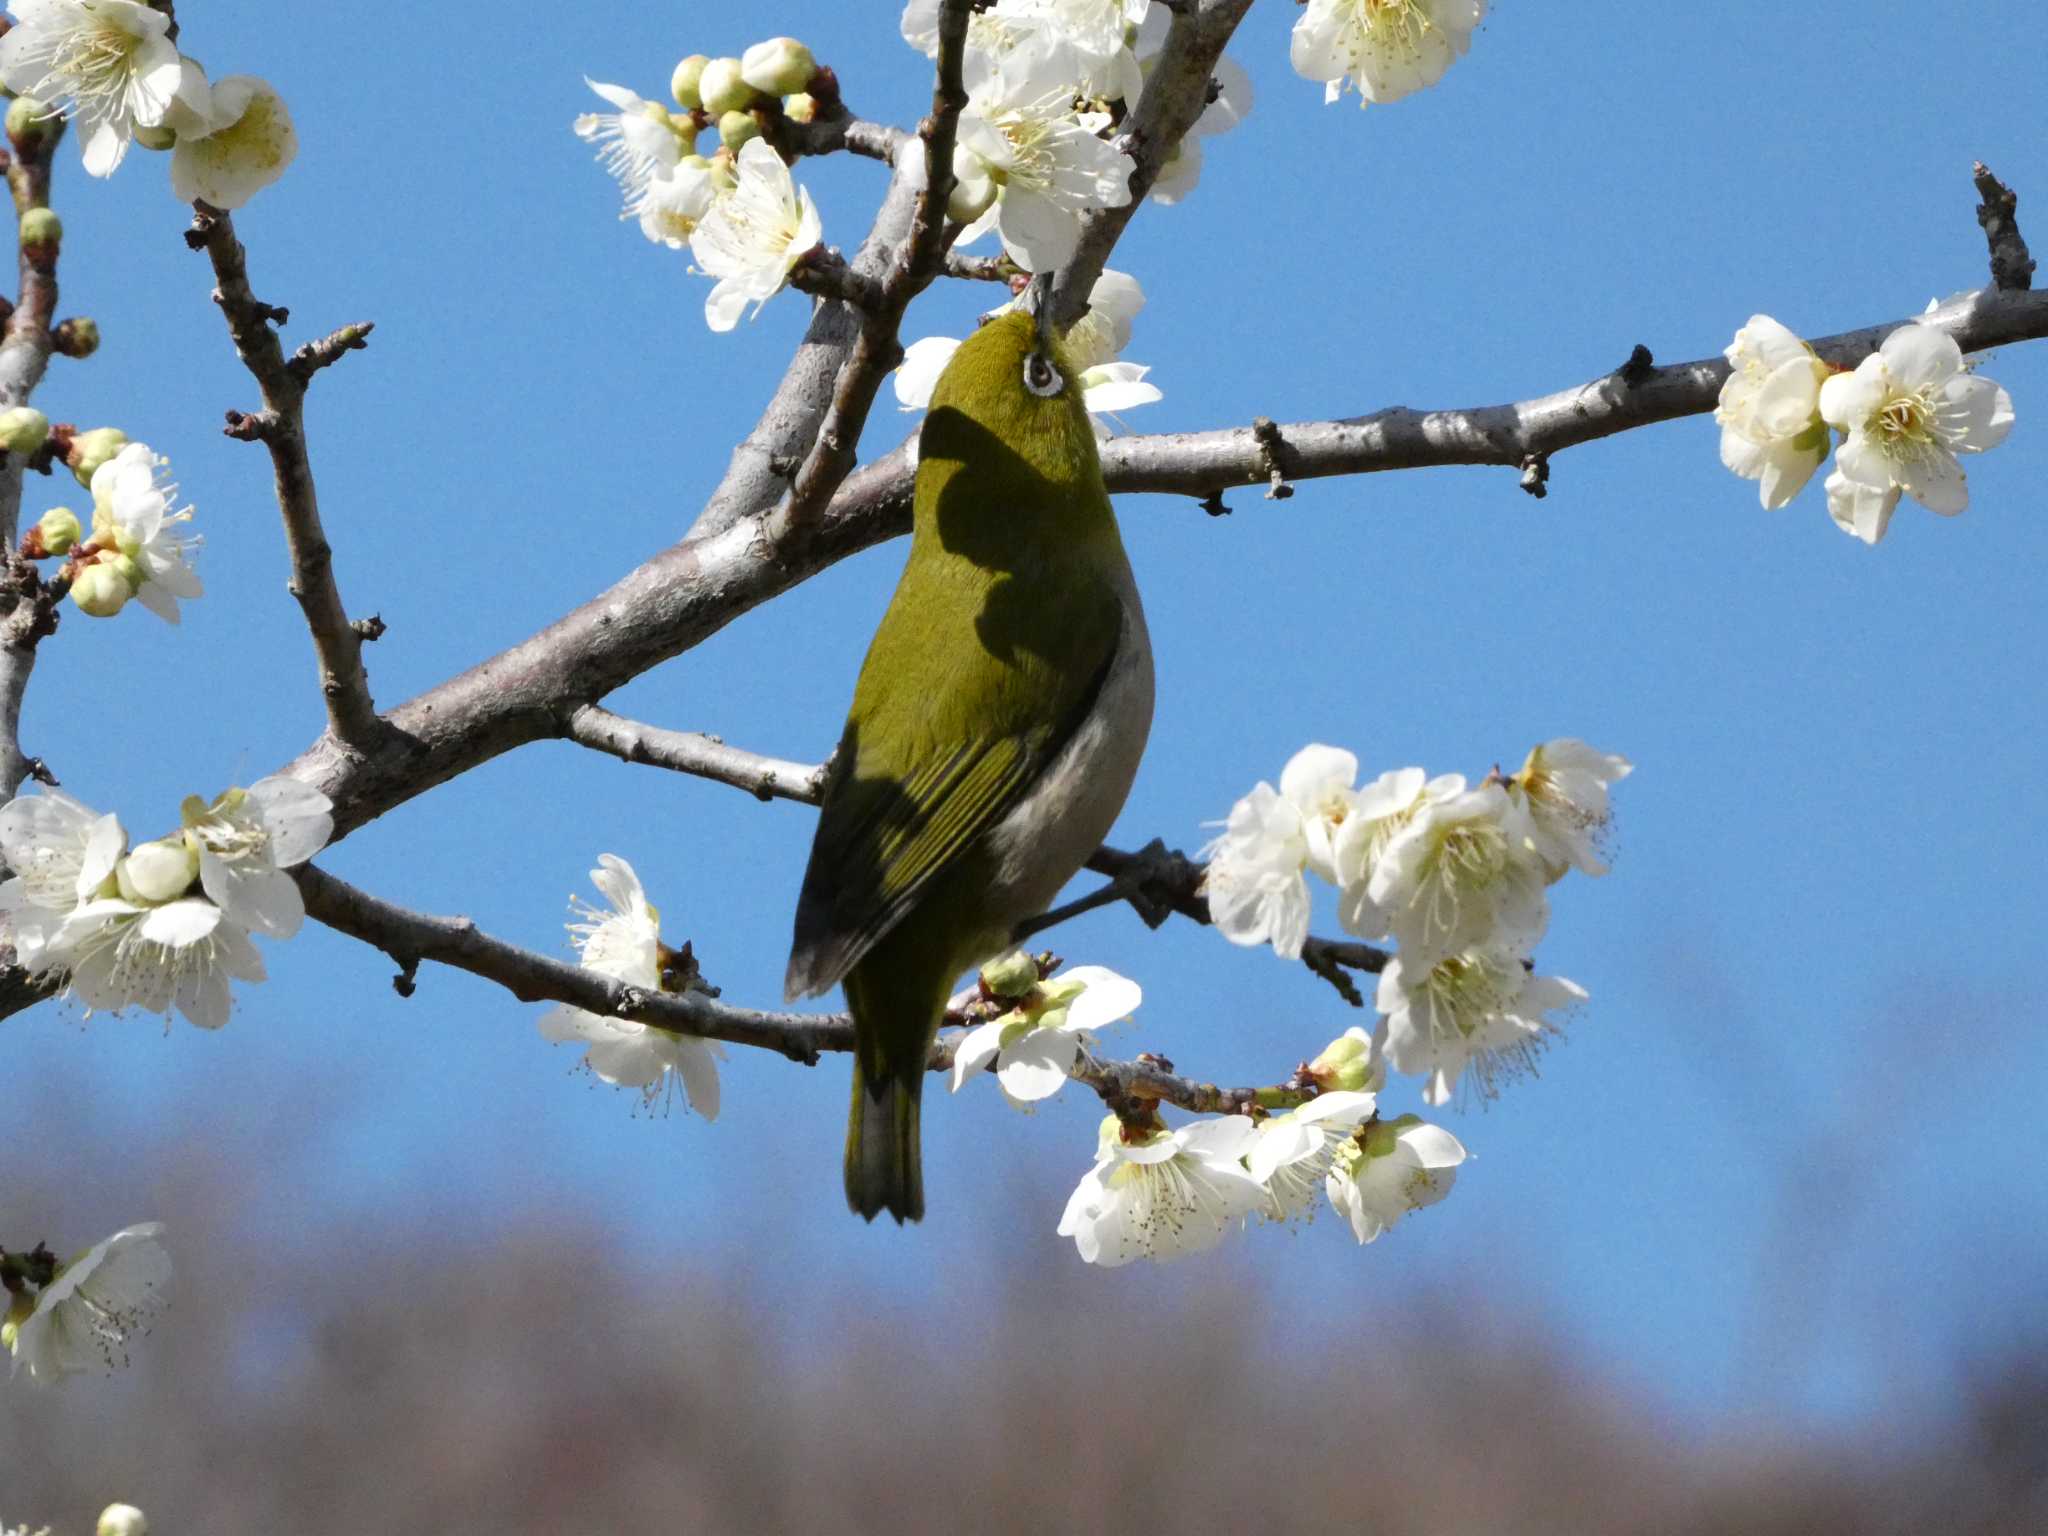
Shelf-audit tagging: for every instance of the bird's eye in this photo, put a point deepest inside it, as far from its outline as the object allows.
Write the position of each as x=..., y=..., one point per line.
x=1041, y=378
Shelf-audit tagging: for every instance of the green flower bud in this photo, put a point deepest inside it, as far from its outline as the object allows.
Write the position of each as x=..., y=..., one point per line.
x=1347, y=1066
x=32, y=125
x=724, y=173
x=100, y=591
x=721, y=89
x=23, y=430
x=58, y=529
x=41, y=231
x=124, y=566
x=122, y=1520
x=1382, y=1134
x=800, y=108
x=79, y=336
x=1013, y=976
x=782, y=66
x=683, y=83
x=735, y=128
x=89, y=450
x=157, y=872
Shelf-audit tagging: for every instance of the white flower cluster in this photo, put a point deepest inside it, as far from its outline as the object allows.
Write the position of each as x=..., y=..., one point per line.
x=1034, y=1043
x=624, y=943
x=126, y=927
x=1383, y=49
x=111, y=66
x=1093, y=345
x=138, y=545
x=1905, y=414
x=1456, y=873
x=743, y=218
x=1161, y=1194
x=84, y=1313
x=1042, y=78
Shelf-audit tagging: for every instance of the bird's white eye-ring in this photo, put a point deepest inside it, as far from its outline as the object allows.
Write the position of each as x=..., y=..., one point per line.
x=1040, y=377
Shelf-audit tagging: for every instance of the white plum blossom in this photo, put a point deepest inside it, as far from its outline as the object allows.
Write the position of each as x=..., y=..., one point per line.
x=625, y=944
x=1255, y=882
x=1170, y=1193
x=1908, y=409
x=94, y=1305
x=1481, y=1008
x=132, y=516
x=181, y=954
x=674, y=203
x=1389, y=1169
x=1036, y=1043
x=248, y=838
x=1379, y=813
x=61, y=852
x=635, y=144
x=109, y=63
x=1386, y=49
x=1092, y=345
x=1769, y=410
x=249, y=143
x=1095, y=32
x=1562, y=789
x=754, y=235
x=1461, y=872
x=1292, y=1155
x=1040, y=161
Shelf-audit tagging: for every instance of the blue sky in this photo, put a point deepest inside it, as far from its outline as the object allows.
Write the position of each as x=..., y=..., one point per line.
x=1786, y=1164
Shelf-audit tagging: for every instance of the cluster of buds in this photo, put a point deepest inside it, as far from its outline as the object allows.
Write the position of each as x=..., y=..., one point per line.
x=741, y=97
x=135, y=546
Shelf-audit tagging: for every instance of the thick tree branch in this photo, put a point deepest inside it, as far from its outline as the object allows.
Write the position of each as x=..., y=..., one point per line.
x=281, y=426
x=411, y=937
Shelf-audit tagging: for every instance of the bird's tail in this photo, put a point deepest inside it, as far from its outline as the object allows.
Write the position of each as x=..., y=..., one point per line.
x=883, y=1168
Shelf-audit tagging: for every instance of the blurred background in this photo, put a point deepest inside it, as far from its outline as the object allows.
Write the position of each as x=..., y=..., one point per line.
x=1763, y=1249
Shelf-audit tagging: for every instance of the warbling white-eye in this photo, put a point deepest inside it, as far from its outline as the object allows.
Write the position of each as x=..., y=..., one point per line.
x=994, y=733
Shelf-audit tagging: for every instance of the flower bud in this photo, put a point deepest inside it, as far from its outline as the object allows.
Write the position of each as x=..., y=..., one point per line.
x=1013, y=976
x=100, y=591
x=1348, y=1065
x=781, y=66
x=57, y=530
x=800, y=108
x=32, y=125
x=79, y=336
x=42, y=232
x=157, y=872
x=721, y=90
x=89, y=450
x=123, y=564
x=735, y=128
x=973, y=188
x=724, y=173
x=23, y=430
x=683, y=83
x=121, y=1520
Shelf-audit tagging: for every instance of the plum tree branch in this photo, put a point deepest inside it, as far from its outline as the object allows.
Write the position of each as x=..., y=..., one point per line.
x=409, y=938
x=281, y=427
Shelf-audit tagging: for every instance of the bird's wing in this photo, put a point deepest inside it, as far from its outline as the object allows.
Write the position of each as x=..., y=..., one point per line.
x=895, y=815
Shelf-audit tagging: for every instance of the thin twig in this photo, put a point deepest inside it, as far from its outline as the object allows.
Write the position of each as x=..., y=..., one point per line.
x=2011, y=265
x=706, y=757
x=281, y=426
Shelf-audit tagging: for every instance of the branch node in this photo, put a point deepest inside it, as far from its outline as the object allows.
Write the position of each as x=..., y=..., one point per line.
x=2011, y=265
x=406, y=982
x=1213, y=504
x=328, y=350
x=1636, y=371
x=252, y=426
x=1536, y=471
x=39, y=770
x=370, y=629
x=1267, y=431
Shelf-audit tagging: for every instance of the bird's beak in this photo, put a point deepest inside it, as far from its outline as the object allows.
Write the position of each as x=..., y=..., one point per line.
x=1041, y=295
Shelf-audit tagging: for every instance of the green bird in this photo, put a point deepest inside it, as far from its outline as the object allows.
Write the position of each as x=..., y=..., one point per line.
x=994, y=734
